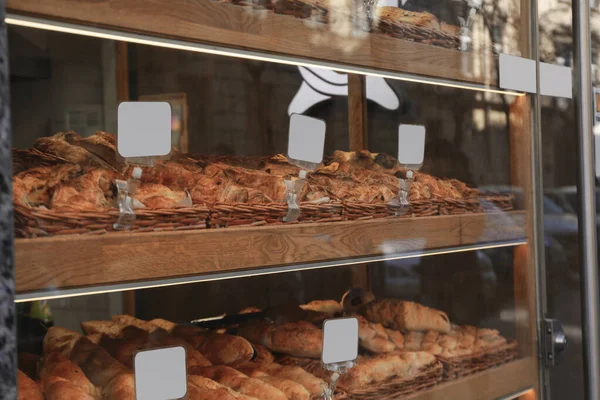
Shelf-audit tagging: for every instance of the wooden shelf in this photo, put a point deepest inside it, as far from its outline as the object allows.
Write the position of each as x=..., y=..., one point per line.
x=67, y=262
x=219, y=24
x=505, y=380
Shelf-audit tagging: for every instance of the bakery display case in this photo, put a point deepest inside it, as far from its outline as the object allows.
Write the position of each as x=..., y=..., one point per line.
x=327, y=162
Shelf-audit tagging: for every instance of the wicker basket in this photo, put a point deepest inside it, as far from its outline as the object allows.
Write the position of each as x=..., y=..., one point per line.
x=37, y=222
x=392, y=389
x=457, y=367
x=224, y=215
x=430, y=207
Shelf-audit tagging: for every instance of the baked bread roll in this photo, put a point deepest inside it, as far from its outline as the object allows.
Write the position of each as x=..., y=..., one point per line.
x=207, y=389
x=324, y=306
x=300, y=339
x=406, y=316
x=27, y=389
x=121, y=387
x=262, y=354
x=313, y=384
x=122, y=342
x=398, y=15
x=293, y=390
x=220, y=349
x=58, y=388
x=57, y=365
x=240, y=382
x=99, y=367
x=373, y=337
x=383, y=367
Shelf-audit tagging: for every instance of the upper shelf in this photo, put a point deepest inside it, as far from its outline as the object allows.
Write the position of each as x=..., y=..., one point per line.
x=60, y=266
x=283, y=37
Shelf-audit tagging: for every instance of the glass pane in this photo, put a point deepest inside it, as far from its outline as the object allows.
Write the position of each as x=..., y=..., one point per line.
x=414, y=223
x=560, y=155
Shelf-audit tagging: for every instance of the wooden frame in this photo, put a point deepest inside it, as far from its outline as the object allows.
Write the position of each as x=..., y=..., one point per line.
x=80, y=262
x=214, y=23
x=66, y=262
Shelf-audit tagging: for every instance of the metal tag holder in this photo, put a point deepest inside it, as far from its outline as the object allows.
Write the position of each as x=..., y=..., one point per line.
x=126, y=195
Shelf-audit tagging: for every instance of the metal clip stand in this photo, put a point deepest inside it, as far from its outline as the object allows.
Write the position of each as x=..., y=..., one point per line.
x=292, y=193
x=401, y=202
x=338, y=370
x=127, y=190
x=466, y=25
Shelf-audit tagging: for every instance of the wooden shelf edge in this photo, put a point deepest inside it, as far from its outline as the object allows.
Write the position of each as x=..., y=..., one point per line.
x=495, y=383
x=67, y=262
x=214, y=23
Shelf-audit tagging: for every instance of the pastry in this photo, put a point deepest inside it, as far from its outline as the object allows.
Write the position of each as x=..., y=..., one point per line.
x=405, y=316
x=326, y=306
x=27, y=389
x=220, y=349
x=123, y=341
x=239, y=382
x=99, y=367
x=57, y=365
x=207, y=389
x=398, y=15
x=310, y=382
x=301, y=339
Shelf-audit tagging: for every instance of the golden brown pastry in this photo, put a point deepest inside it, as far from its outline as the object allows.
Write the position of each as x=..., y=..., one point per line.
x=58, y=388
x=89, y=192
x=27, y=389
x=293, y=390
x=121, y=387
x=262, y=354
x=325, y=306
x=58, y=146
x=99, y=367
x=57, y=365
x=383, y=367
x=122, y=341
x=239, y=382
x=399, y=15
x=207, y=389
x=153, y=195
x=373, y=337
x=313, y=384
x=450, y=29
x=220, y=349
x=405, y=316
x=301, y=339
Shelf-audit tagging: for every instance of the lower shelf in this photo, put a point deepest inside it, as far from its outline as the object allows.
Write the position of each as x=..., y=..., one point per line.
x=47, y=267
x=503, y=382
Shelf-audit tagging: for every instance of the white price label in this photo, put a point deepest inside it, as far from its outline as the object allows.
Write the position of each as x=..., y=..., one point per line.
x=340, y=340
x=144, y=129
x=160, y=374
x=411, y=145
x=306, y=138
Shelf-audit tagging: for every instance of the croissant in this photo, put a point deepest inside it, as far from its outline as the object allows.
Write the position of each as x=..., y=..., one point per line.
x=27, y=389
x=240, y=382
x=405, y=316
x=301, y=338
x=219, y=348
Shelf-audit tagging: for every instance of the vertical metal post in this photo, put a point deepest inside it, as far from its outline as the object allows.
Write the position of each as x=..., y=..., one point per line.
x=587, y=202
x=8, y=342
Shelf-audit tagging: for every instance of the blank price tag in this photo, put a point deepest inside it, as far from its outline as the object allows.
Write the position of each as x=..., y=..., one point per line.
x=411, y=145
x=306, y=138
x=340, y=340
x=144, y=129
x=160, y=374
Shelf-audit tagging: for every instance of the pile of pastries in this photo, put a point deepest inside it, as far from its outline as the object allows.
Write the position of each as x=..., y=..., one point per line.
x=416, y=26
x=256, y=357
x=72, y=173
